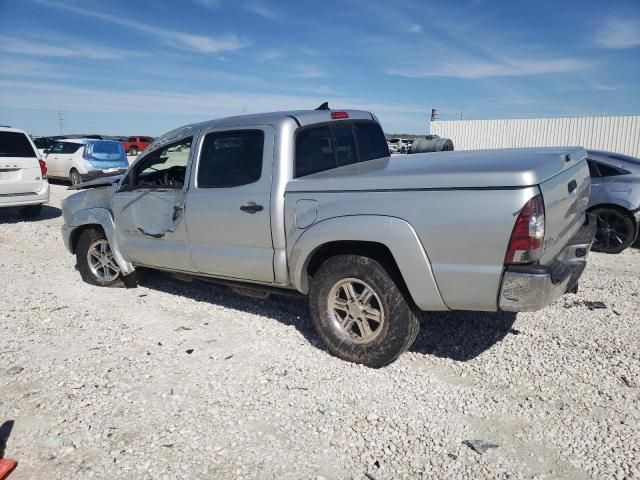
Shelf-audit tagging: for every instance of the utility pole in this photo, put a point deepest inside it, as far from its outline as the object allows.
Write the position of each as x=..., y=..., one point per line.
x=461, y=111
x=61, y=122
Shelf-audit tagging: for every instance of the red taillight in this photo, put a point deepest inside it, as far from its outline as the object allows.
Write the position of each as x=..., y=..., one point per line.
x=338, y=115
x=527, y=237
x=43, y=168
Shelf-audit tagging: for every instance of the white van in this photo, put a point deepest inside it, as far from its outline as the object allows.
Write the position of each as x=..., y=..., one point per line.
x=23, y=174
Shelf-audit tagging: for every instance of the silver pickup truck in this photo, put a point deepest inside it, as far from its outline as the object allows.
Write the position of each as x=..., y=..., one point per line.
x=312, y=202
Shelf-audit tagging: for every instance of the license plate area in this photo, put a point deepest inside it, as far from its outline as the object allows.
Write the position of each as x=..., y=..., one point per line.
x=10, y=174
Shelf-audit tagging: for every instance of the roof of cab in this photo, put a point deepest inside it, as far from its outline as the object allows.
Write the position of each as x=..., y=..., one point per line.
x=301, y=117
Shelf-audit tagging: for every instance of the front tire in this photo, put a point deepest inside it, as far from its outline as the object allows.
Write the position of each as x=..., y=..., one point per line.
x=95, y=260
x=359, y=312
x=31, y=211
x=133, y=151
x=616, y=230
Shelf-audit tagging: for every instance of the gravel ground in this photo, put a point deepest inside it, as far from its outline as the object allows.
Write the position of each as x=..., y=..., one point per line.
x=188, y=380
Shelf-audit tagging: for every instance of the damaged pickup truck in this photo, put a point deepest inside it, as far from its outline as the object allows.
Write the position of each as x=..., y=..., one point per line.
x=312, y=202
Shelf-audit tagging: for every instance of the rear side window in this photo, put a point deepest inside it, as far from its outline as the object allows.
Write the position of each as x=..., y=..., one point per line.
x=230, y=159
x=15, y=144
x=597, y=169
x=371, y=141
x=68, y=147
x=608, y=171
x=57, y=147
x=329, y=146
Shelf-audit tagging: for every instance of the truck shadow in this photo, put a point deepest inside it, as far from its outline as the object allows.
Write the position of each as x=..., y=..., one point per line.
x=12, y=215
x=459, y=336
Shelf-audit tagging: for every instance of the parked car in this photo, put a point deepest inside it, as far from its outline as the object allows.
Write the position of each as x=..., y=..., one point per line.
x=134, y=145
x=23, y=174
x=43, y=143
x=615, y=199
x=81, y=159
x=399, y=145
x=311, y=202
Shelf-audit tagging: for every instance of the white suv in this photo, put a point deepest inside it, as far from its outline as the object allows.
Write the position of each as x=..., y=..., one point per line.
x=84, y=159
x=23, y=174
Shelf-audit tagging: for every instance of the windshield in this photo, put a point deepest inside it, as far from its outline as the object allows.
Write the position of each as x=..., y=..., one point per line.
x=15, y=144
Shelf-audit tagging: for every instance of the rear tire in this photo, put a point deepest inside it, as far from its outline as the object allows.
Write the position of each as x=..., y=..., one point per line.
x=616, y=231
x=75, y=177
x=359, y=312
x=95, y=260
x=31, y=211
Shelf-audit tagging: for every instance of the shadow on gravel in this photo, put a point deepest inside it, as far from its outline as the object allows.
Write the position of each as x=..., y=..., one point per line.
x=12, y=215
x=5, y=431
x=460, y=336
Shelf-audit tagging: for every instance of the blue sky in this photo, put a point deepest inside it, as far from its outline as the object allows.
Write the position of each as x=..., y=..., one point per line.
x=130, y=67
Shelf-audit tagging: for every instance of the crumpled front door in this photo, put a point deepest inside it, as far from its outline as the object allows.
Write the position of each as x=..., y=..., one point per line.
x=150, y=228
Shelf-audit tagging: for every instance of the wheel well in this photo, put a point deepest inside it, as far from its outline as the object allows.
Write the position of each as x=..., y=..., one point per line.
x=619, y=208
x=612, y=206
x=75, y=235
x=373, y=250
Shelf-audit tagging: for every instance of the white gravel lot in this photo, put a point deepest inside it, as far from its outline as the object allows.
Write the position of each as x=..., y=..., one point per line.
x=99, y=383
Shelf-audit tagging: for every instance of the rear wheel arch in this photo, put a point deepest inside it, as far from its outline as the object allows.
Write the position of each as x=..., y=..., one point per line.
x=374, y=250
x=390, y=239
x=620, y=208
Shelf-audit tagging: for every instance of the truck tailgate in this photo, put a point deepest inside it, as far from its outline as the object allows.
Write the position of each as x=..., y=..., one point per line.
x=565, y=201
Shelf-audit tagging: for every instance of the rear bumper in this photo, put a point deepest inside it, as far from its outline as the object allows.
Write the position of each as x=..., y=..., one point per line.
x=95, y=174
x=527, y=288
x=26, y=199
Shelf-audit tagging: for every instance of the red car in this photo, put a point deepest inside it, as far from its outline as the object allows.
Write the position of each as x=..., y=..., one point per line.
x=133, y=145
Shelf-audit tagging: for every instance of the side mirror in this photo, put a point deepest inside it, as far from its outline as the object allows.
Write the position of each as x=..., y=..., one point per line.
x=46, y=151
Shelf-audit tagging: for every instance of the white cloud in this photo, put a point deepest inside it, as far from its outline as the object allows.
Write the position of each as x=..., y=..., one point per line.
x=607, y=88
x=415, y=28
x=58, y=47
x=619, y=33
x=43, y=96
x=186, y=41
x=264, y=10
x=470, y=68
x=269, y=55
x=209, y=3
x=308, y=71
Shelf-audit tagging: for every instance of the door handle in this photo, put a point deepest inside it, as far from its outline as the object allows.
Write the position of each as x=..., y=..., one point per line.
x=251, y=207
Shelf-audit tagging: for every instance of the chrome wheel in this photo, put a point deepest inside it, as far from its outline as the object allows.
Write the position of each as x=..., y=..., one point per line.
x=101, y=262
x=356, y=310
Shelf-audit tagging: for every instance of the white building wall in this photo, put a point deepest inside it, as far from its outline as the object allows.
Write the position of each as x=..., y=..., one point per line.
x=616, y=134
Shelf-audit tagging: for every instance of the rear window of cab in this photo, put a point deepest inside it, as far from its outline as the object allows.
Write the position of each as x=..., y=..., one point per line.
x=326, y=146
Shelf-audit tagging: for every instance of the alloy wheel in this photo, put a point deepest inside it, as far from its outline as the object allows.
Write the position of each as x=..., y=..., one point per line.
x=356, y=311
x=101, y=261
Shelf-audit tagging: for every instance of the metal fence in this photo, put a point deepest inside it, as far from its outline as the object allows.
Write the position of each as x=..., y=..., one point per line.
x=616, y=134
